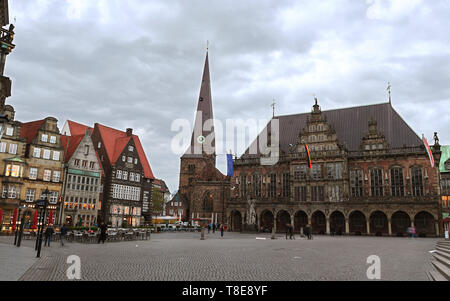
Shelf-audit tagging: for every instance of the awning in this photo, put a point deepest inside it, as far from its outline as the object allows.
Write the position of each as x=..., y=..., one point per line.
x=446, y=220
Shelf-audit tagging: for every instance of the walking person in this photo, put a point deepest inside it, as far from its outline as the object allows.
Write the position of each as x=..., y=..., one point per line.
x=48, y=235
x=214, y=228
x=413, y=232
x=222, y=228
x=287, y=230
x=103, y=230
x=62, y=234
x=209, y=228
x=291, y=232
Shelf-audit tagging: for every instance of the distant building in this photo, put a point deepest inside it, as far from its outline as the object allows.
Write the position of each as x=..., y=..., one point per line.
x=178, y=206
x=127, y=176
x=82, y=180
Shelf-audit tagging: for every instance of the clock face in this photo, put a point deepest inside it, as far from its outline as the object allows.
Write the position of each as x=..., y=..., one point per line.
x=201, y=139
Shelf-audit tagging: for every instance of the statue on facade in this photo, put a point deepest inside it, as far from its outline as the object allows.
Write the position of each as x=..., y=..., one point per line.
x=251, y=213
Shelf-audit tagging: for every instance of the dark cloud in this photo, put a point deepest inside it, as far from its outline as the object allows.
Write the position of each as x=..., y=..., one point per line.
x=138, y=63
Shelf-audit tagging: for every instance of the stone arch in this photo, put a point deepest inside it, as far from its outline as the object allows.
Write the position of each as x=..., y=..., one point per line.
x=318, y=222
x=424, y=224
x=300, y=220
x=283, y=218
x=357, y=223
x=400, y=221
x=379, y=223
x=337, y=223
x=267, y=220
x=236, y=221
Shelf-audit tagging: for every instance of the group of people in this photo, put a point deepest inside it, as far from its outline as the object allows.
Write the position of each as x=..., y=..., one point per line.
x=213, y=227
x=290, y=231
x=49, y=231
x=412, y=231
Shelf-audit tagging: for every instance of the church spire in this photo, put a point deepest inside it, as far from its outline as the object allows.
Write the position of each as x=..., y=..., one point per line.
x=203, y=136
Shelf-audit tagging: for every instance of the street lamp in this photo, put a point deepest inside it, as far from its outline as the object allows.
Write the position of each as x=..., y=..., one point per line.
x=41, y=204
x=117, y=218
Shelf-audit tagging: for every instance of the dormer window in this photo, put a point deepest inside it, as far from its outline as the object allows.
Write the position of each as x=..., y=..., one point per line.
x=130, y=148
x=9, y=131
x=52, y=139
x=44, y=138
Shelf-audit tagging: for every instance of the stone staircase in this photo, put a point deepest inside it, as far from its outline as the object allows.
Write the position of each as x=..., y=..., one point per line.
x=441, y=262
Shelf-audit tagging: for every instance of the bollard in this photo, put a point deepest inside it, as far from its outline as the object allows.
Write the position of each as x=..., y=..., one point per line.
x=202, y=237
x=273, y=234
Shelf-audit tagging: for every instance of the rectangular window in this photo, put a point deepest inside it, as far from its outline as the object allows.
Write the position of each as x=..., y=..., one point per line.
x=37, y=152
x=13, y=148
x=138, y=177
x=286, y=185
x=334, y=193
x=44, y=138
x=397, y=182
x=47, y=175
x=376, y=182
x=46, y=154
x=13, y=192
x=53, y=197
x=257, y=185
x=33, y=173
x=5, y=191
x=91, y=165
x=316, y=172
x=84, y=163
x=300, y=194
x=317, y=193
x=125, y=175
x=53, y=139
x=86, y=150
x=356, y=183
x=76, y=162
x=243, y=186
x=2, y=147
x=131, y=176
x=273, y=185
x=299, y=172
x=9, y=131
x=331, y=172
x=416, y=181
x=130, y=148
x=124, y=158
x=13, y=170
x=29, y=197
x=135, y=160
x=56, y=176
x=56, y=156
x=130, y=160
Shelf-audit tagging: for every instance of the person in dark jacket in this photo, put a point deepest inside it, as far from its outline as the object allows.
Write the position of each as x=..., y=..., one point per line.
x=287, y=230
x=222, y=228
x=48, y=235
x=103, y=230
x=291, y=232
x=62, y=234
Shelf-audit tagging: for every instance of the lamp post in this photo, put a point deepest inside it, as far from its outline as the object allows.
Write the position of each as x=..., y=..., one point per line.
x=42, y=204
x=18, y=229
x=117, y=218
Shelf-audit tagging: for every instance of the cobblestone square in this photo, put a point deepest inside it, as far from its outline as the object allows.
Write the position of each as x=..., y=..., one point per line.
x=236, y=257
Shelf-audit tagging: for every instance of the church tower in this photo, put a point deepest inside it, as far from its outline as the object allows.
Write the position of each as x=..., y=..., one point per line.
x=201, y=151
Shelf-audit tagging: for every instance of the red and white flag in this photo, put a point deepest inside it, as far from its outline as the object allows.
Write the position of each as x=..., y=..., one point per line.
x=427, y=147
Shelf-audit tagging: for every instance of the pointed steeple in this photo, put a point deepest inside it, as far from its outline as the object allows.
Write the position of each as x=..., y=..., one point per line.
x=203, y=136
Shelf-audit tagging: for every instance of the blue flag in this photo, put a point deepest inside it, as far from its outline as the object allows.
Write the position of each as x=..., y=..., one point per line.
x=229, y=165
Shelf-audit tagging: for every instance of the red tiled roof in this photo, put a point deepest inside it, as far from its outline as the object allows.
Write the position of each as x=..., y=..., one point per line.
x=70, y=144
x=115, y=141
x=30, y=129
x=77, y=128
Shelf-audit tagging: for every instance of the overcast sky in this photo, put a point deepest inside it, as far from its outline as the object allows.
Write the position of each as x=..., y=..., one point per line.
x=139, y=64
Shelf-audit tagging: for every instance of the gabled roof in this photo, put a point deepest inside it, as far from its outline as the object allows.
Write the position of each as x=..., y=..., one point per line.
x=70, y=144
x=351, y=125
x=76, y=128
x=115, y=141
x=162, y=184
x=30, y=129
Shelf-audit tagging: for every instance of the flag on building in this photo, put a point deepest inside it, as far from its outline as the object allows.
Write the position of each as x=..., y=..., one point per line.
x=35, y=219
x=229, y=165
x=427, y=147
x=308, y=156
x=50, y=218
x=14, y=220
